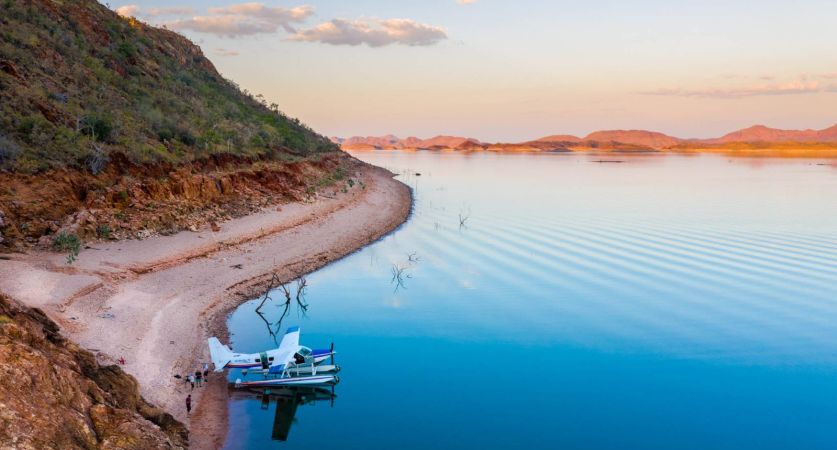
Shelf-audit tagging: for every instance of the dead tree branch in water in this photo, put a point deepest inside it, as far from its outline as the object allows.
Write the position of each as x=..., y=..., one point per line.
x=399, y=275
x=301, y=289
x=273, y=280
x=269, y=327
x=463, y=220
x=287, y=293
x=273, y=329
x=413, y=258
x=281, y=318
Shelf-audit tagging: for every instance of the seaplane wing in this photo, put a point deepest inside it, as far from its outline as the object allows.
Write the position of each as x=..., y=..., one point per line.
x=284, y=355
x=290, y=341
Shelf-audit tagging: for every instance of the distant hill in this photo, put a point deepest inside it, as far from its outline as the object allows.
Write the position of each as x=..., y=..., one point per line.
x=446, y=142
x=761, y=133
x=391, y=142
x=757, y=140
x=79, y=83
x=559, y=138
x=643, y=138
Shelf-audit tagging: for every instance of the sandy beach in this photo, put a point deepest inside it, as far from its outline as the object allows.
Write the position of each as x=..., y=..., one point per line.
x=154, y=302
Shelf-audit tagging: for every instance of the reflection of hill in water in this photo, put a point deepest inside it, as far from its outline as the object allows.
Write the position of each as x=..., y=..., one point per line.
x=287, y=400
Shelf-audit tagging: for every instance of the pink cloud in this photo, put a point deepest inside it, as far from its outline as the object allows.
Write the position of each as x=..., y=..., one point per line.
x=244, y=19
x=373, y=32
x=790, y=88
x=128, y=10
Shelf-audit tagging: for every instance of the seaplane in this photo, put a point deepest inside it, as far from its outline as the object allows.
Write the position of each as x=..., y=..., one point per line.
x=288, y=365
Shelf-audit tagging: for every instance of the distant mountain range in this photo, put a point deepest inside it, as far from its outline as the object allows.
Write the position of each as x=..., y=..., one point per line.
x=755, y=137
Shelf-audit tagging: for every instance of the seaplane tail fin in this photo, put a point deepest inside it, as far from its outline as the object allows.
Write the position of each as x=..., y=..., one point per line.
x=220, y=353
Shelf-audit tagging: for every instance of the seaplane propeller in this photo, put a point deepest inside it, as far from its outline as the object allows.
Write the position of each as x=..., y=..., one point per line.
x=332, y=354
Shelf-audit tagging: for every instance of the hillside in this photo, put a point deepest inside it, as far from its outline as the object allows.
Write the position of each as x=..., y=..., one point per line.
x=55, y=395
x=79, y=83
x=113, y=129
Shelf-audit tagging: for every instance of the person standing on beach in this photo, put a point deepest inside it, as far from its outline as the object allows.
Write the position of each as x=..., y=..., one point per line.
x=192, y=380
x=199, y=377
x=188, y=404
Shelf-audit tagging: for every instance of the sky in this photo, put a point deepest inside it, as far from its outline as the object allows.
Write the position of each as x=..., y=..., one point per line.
x=508, y=71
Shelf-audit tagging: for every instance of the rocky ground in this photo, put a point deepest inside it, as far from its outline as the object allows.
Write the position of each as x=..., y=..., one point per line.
x=55, y=395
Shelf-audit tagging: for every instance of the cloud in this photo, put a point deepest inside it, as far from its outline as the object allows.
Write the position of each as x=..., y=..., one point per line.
x=170, y=11
x=372, y=32
x=244, y=19
x=128, y=10
x=226, y=52
x=790, y=88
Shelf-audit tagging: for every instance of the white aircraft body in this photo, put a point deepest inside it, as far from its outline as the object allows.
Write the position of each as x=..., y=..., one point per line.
x=288, y=365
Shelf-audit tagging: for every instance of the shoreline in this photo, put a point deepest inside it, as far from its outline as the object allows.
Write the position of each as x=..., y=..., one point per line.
x=154, y=302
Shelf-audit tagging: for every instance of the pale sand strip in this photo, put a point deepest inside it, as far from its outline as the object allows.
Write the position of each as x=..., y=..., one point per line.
x=154, y=302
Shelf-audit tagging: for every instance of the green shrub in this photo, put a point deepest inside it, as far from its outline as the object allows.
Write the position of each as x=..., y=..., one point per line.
x=103, y=231
x=66, y=242
x=9, y=150
x=100, y=128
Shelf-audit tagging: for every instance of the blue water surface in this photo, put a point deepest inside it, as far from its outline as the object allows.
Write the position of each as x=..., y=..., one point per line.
x=557, y=301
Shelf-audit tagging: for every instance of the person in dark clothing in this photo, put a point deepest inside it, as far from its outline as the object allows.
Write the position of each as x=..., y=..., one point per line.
x=205, y=375
x=188, y=404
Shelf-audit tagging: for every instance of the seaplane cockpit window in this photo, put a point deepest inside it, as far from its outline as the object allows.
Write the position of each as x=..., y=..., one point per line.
x=258, y=360
x=270, y=359
x=305, y=351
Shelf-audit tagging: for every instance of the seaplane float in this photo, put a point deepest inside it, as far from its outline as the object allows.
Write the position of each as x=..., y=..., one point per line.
x=288, y=365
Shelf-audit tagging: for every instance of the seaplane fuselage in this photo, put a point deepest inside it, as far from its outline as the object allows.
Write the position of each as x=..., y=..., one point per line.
x=265, y=359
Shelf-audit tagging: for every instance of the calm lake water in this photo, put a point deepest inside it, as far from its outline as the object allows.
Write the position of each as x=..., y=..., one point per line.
x=663, y=302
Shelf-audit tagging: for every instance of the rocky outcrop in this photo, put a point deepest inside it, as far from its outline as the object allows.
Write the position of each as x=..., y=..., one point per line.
x=54, y=395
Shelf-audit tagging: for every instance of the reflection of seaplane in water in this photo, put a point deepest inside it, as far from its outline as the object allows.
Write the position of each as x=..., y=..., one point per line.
x=288, y=399
x=288, y=365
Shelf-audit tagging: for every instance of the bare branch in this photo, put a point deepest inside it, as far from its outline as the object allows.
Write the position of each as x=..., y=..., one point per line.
x=399, y=275
x=301, y=287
